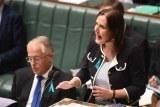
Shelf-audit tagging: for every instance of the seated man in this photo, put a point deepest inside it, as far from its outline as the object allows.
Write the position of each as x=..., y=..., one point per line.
x=42, y=74
x=12, y=40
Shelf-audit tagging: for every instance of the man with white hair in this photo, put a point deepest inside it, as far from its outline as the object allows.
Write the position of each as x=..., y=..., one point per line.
x=35, y=86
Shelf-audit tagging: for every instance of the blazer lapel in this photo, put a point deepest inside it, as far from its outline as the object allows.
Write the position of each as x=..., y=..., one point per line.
x=49, y=86
x=27, y=87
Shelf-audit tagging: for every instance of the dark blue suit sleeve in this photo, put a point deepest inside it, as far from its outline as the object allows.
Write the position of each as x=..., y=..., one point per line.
x=13, y=41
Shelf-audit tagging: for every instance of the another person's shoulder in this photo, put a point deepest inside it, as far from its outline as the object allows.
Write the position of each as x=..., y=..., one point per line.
x=129, y=47
x=11, y=12
x=129, y=44
x=137, y=37
x=61, y=75
x=156, y=51
x=23, y=71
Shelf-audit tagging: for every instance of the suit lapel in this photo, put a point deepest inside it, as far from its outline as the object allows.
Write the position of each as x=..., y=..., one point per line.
x=27, y=87
x=49, y=90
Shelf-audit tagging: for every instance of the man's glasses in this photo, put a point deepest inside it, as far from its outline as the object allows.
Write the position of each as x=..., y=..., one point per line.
x=35, y=58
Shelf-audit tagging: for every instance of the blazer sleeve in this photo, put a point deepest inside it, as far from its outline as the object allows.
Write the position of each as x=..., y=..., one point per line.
x=137, y=75
x=16, y=34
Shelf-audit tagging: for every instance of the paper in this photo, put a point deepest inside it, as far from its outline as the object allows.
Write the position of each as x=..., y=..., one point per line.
x=146, y=9
x=153, y=88
x=66, y=102
x=71, y=105
x=146, y=98
x=6, y=102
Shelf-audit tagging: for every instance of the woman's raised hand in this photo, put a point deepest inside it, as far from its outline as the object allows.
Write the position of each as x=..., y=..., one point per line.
x=64, y=85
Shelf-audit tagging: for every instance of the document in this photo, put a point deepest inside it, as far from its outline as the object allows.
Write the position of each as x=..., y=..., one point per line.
x=71, y=105
x=66, y=102
x=146, y=98
x=153, y=88
x=4, y=102
x=145, y=9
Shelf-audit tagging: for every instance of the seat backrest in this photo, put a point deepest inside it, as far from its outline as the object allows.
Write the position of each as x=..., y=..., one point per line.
x=147, y=25
x=69, y=27
x=5, y=84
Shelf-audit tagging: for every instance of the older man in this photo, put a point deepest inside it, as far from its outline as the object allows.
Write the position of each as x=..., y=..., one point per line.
x=35, y=86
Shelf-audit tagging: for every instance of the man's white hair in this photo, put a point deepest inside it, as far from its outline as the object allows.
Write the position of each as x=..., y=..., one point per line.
x=46, y=45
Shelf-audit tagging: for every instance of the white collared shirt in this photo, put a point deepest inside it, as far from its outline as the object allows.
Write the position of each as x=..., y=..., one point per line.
x=29, y=102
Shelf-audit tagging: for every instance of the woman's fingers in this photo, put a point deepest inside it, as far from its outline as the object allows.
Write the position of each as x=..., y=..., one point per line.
x=64, y=85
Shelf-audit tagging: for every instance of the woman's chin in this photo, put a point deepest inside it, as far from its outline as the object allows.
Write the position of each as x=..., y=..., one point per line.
x=98, y=42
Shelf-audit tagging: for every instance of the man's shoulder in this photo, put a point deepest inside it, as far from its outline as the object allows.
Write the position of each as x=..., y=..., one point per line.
x=62, y=75
x=128, y=47
x=24, y=70
x=11, y=12
x=134, y=35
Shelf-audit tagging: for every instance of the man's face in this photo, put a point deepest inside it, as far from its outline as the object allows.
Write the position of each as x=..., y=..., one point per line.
x=39, y=61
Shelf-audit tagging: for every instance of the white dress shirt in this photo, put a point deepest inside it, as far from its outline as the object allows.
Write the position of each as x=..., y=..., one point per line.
x=29, y=102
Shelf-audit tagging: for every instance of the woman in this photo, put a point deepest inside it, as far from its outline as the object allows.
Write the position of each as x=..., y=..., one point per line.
x=113, y=63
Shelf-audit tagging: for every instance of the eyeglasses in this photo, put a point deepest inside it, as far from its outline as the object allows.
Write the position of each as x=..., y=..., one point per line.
x=35, y=58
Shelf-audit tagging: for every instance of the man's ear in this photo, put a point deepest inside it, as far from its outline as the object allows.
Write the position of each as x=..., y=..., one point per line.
x=52, y=56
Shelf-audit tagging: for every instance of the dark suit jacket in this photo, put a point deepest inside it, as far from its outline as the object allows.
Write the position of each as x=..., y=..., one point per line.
x=22, y=84
x=155, y=60
x=12, y=41
x=149, y=2
x=140, y=1
x=140, y=41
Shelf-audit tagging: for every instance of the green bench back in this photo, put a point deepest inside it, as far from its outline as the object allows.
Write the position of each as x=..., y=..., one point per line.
x=70, y=27
x=148, y=26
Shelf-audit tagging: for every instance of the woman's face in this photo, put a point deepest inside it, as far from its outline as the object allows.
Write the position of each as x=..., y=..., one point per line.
x=103, y=34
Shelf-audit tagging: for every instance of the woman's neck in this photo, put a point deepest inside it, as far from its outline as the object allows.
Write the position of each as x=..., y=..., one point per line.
x=109, y=51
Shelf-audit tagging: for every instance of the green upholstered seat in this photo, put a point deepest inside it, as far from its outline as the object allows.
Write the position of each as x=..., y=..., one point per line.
x=69, y=27
x=5, y=84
